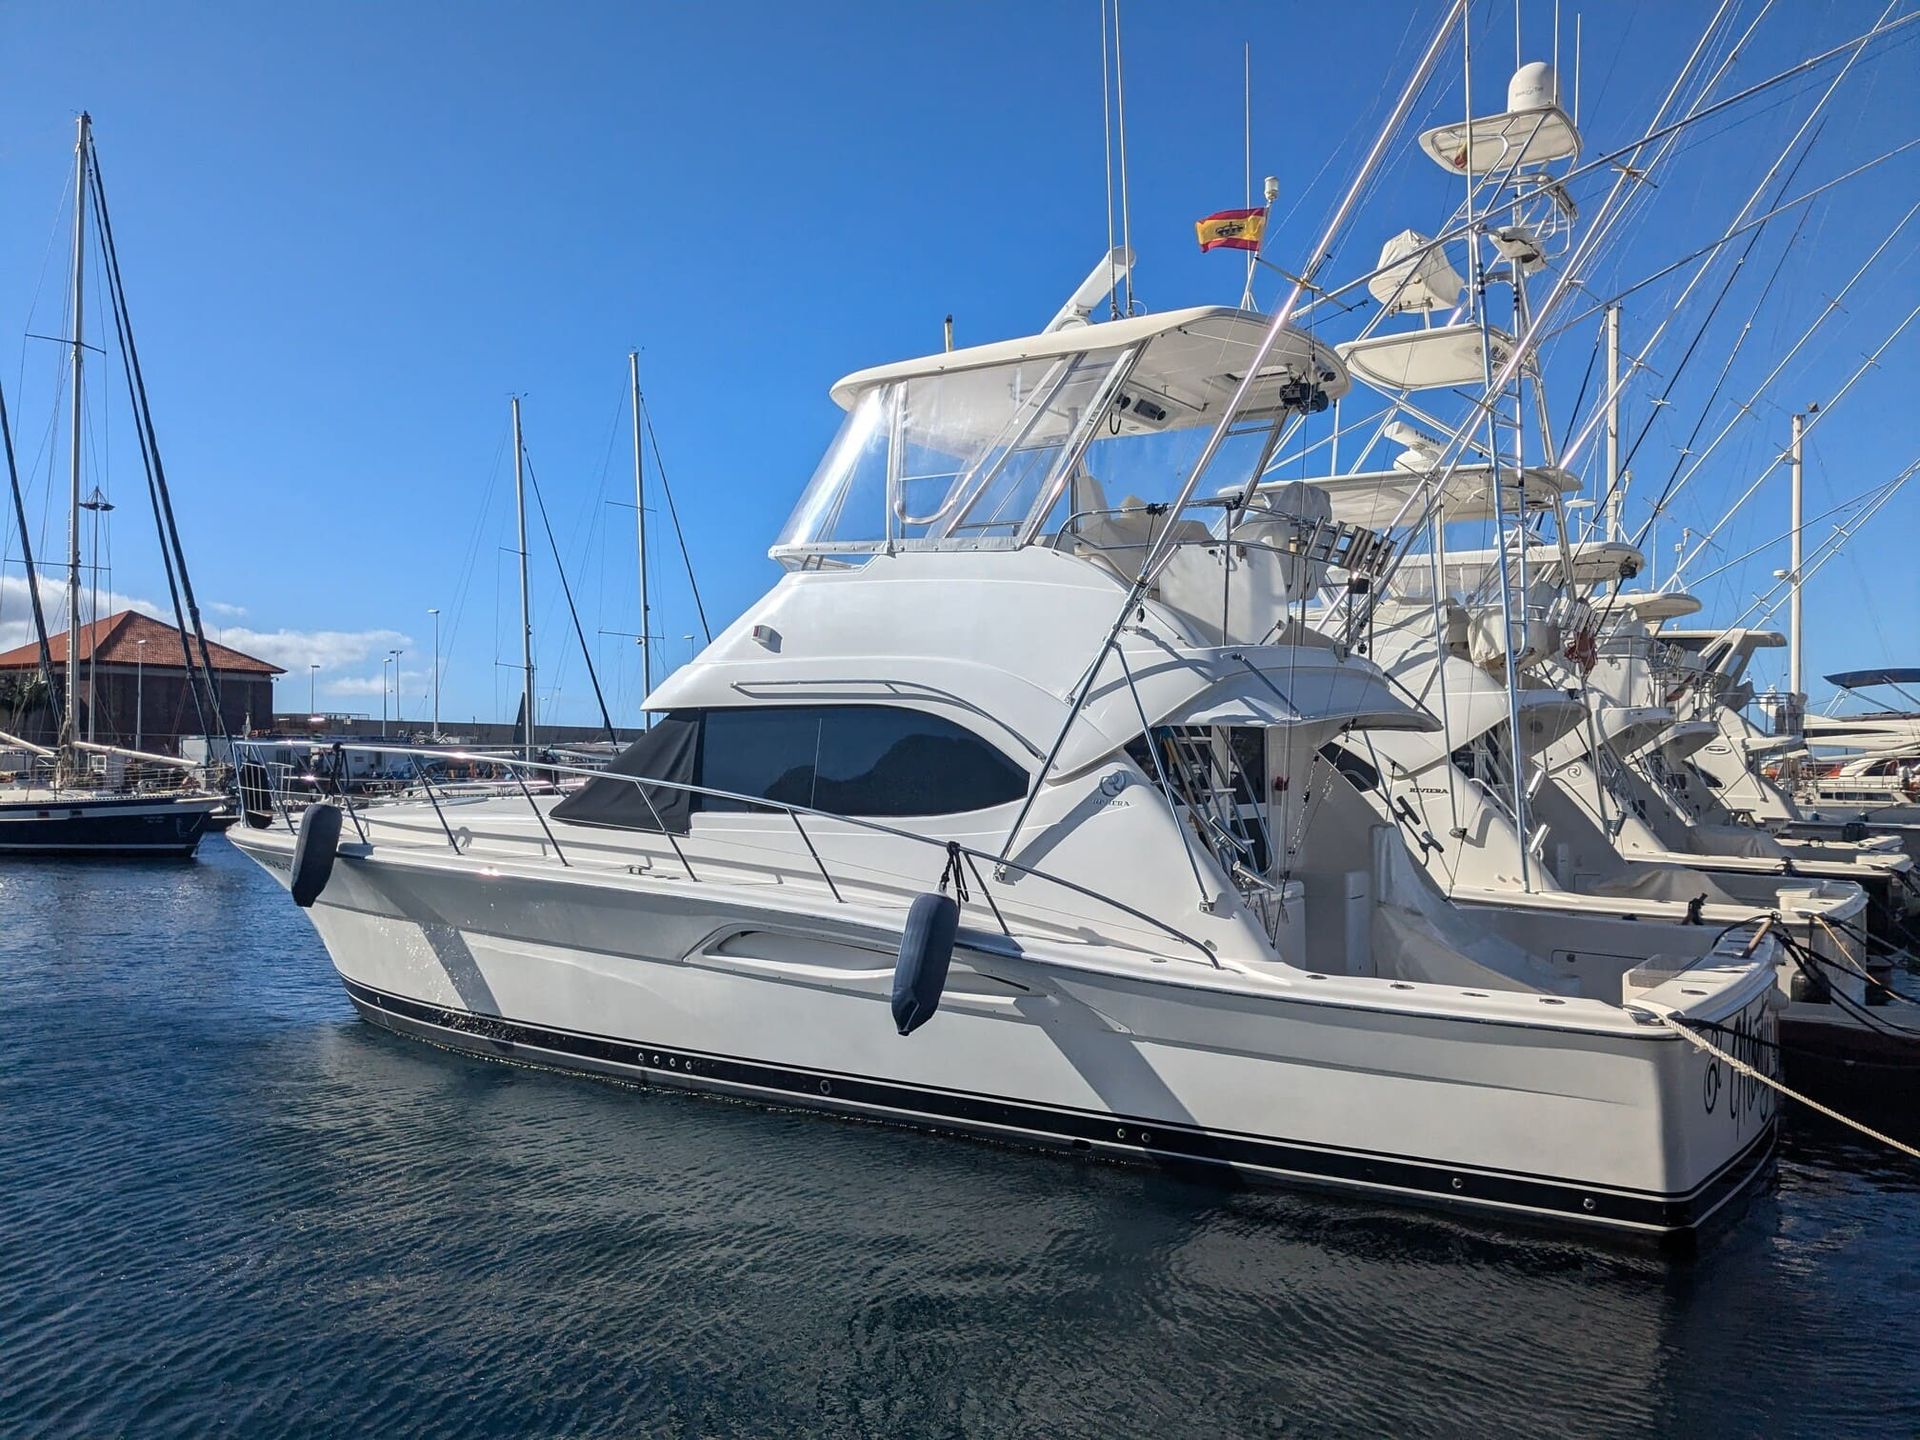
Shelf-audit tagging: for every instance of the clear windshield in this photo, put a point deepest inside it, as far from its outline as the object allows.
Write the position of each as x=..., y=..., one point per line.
x=1003, y=455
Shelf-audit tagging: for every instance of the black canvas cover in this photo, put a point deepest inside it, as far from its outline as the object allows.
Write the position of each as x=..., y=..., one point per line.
x=669, y=751
x=1886, y=675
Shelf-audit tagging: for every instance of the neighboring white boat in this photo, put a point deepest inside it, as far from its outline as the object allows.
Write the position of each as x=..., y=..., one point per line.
x=1864, y=760
x=1001, y=668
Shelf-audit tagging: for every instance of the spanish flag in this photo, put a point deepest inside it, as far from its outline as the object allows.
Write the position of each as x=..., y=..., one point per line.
x=1231, y=229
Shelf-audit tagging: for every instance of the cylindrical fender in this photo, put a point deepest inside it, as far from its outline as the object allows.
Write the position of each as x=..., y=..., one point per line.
x=926, y=949
x=313, y=852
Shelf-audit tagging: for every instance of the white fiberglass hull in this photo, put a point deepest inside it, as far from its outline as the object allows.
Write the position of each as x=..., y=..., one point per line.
x=1629, y=1128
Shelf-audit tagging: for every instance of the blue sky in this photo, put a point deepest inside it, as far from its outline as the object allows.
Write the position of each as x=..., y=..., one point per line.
x=350, y=232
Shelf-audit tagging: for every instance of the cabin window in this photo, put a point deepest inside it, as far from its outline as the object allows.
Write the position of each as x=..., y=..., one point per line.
x=1360, y=772
x=870, y=760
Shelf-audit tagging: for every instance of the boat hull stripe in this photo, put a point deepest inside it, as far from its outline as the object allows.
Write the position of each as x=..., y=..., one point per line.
x=1153, y=1140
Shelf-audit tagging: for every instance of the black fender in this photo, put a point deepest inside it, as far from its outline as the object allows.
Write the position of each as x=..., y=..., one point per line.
x=926, y=950
x=313, y=852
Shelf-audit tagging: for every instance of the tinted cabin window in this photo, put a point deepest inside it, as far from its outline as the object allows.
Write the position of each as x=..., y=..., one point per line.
x=1358, y=771
x=871, y=760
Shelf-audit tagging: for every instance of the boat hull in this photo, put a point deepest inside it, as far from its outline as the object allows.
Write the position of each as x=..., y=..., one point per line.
x=1515, y=1197
x=1630, y=1132
x=79, y=828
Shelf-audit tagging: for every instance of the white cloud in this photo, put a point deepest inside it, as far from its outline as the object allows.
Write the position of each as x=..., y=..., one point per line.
x=410, y=683
x=16, y=608
x=295, y=650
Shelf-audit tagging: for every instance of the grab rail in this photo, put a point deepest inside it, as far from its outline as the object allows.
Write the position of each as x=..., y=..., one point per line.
x=517, y=764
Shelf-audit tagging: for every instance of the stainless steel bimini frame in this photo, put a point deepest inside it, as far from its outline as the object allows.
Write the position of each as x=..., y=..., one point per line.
x=248, y=751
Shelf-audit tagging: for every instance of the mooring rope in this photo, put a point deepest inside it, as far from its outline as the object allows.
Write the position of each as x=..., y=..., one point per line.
x=1855, y=967
x=1741, y=1067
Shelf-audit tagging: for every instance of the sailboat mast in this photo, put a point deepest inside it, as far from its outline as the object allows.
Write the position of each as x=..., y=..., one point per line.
x=70, y=724
x=640, y=530
x=526, y=611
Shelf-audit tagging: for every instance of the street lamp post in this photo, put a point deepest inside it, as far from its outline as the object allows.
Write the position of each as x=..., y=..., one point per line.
x=383, y=695
x=435, y=612
x=139, y=692
x=313, y=688
x=398, y=718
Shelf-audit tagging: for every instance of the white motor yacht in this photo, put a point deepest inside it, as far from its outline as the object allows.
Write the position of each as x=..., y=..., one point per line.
x=998, y=813
x=1494, y=824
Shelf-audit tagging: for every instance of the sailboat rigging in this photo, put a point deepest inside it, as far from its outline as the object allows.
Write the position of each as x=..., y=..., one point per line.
x=94, y=801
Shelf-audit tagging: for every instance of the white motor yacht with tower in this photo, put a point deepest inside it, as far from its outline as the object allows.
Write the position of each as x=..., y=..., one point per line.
x=1000, y=813
x=1497, y=643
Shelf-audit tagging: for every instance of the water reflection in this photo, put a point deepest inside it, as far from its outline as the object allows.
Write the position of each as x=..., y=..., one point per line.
x=236, y=1204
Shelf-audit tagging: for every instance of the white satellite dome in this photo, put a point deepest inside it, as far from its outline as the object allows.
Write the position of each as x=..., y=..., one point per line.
x=1534, y=86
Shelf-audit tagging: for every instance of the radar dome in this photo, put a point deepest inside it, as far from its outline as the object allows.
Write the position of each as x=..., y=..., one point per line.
x=1534, y=86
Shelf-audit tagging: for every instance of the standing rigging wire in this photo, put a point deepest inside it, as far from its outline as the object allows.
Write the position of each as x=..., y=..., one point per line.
x=469, y=563
x=1871, y=610
x=1768, y=602
x=39, y=287
x=580, y=546
x=26, y=553
x=567, y=590
x=1663, y=131
x=1580, y=398
x=149, y=441
x=1733, y=353
x=1734, y=272
x=600, y=500
x=1858, y=48
x=1641, y=157
x=673, y=512
x=1675, y=484
x=1874, y=495
x=1824, y=409
x=201, y=686
x=1727, y=237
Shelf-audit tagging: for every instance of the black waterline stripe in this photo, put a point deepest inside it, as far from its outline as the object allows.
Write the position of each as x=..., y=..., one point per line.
x=1638, y=1209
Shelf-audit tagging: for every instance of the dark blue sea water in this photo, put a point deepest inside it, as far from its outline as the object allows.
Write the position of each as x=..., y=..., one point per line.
x=229, y=1206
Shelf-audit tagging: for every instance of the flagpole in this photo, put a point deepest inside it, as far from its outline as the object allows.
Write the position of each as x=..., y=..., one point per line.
x=1246, y=79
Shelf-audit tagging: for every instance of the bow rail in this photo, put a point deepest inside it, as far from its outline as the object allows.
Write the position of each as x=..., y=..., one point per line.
x=552, y=775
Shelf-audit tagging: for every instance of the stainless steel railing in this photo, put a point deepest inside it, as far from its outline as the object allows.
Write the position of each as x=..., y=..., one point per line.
x=519, y=769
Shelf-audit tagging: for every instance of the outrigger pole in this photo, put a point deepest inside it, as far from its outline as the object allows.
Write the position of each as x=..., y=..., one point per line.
x=1162, y=547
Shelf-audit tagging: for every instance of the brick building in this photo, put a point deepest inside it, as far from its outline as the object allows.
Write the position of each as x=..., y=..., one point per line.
x=138, y=683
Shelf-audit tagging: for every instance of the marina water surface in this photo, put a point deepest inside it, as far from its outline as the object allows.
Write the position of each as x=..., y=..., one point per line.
x=229, y=1206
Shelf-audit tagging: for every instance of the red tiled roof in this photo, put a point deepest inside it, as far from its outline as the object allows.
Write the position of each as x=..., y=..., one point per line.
x=114, y=640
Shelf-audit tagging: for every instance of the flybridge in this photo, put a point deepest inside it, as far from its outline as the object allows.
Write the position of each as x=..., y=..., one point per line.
x=1007, y=444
